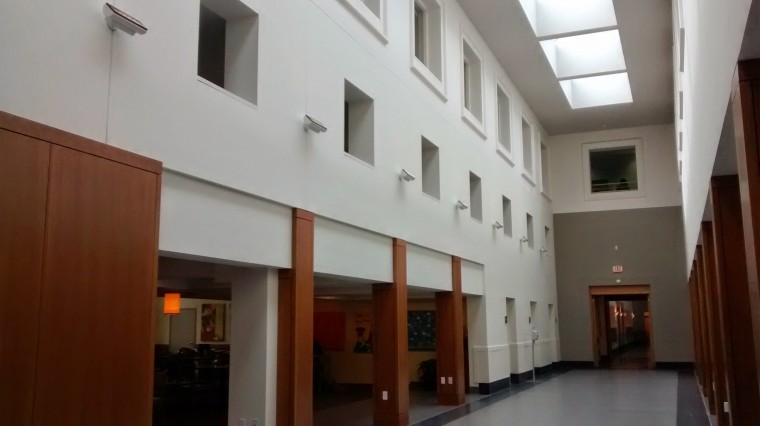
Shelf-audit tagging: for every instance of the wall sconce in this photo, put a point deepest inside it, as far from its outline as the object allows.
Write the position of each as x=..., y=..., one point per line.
x=498, y=225
x=117, y=19
x=406, y=176
x=311, y=123
x=171, y=303
x=523, y=239
x=544, y=250
x=461, y=205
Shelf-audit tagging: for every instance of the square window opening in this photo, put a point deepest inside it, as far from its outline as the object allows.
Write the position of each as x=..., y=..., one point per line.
x=545, y=169
x=502, y=107
x=358, y=124
x=547, y=239
x=428, y=35
x=228, y=47
x=472, y=81
x=431, y=177
x=613, y=169
x=529, y=229
x=527, y=145
x=506, y=215
x=476, y=197
x=375, y=6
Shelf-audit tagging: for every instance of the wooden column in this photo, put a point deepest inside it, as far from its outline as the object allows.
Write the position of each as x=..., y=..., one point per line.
x=295, y=344
x=707, y=363
x=746, y=108
x=733, y=295
x=390, y=350
x=696, y=331
x=713, y=319
x=700, y=329
x=450, y=339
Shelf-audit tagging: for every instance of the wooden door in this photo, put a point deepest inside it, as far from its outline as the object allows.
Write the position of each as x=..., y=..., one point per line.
x=23, y=195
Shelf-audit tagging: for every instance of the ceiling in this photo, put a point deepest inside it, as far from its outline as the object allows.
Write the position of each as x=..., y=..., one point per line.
x=646, y=36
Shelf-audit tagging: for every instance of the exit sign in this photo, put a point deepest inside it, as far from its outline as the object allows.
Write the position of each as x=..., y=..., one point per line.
x=617, y=269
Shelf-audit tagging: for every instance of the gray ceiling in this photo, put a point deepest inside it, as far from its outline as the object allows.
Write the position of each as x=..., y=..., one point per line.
x=645, y=31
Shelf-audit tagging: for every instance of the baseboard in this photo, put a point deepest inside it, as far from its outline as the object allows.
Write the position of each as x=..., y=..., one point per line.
x=683, y=365
x=489, y=388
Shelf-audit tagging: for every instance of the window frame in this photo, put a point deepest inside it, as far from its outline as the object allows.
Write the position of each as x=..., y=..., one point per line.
x=419, y=67
x=376, y=24
x=587, y=147
x=477, y=124
x=505, y=153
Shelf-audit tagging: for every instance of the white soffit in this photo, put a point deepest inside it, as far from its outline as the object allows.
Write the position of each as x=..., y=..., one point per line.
x=599, y=90
x=585, y=55
x=556, y=17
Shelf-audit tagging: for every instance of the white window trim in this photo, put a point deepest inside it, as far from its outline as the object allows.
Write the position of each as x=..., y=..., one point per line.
x=640, y=192
x=420, y=69
x=545, y=189
x=377, y=25
x=527, y=174
x=467, y=116
x=506, y=155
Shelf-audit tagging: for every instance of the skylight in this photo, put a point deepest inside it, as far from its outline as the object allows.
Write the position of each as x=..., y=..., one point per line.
x=599, y=90
x=557, y=17
x=582, y=45
x=585, y=55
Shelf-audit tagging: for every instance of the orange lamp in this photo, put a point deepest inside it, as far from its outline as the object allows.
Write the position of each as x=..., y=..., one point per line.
x=171, y=303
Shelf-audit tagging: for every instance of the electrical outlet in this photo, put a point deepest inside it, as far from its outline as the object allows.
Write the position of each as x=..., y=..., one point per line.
x=241, y=422
x=385, y=395
x=443, y=380
x=451, y=380
x=726, y=407
x=255, y=422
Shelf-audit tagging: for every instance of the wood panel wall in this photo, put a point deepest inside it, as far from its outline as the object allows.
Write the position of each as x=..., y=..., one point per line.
x=78, y=258
x=450, y=340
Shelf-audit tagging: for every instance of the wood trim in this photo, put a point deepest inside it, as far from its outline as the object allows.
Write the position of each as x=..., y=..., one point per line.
x=618, y=290
x=713, y=318
x=746, y=113
x=295, y=334
x=450, y=339
x=708, y=383
x=16, y=124
x=696, y=331
x=390, y=357
x=733, y=295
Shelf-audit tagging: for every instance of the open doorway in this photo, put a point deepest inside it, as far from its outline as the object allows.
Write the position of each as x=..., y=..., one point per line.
x=622, y=327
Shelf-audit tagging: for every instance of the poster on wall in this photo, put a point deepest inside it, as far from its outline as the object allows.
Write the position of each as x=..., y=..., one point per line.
x=421, y=330
x=212, y=322
x=330, y=331
x=363, y=329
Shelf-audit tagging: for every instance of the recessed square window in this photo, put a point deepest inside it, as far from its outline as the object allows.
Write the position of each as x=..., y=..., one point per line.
x=506, y=215
x=504, y=119
x=529, y=229
x=613, y=169
x=472, y=81
x=527, y=146
x=374, y=6
x=476, y=197
x=431, y=172
x=371, y=14
x=547, y=239
x=428, y=36
x=358, y=124
x=228, y=47
x=544, y=169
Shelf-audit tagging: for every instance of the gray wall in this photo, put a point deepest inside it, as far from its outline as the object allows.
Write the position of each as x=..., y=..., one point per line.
x=650, y=248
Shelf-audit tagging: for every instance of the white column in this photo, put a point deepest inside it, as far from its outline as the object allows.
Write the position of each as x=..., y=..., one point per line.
x=253, y=344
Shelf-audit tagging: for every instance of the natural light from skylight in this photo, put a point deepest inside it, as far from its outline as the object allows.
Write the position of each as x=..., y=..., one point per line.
x=600, y=90
x=557, y=17
x=585, y=55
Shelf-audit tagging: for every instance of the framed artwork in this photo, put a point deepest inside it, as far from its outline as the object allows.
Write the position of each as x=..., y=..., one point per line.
x=363, y=329
x=212, y=322
x=421, y=330
x=330, y=330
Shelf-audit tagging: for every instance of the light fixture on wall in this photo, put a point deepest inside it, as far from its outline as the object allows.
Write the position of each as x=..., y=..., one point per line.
x=171, y=303
x=523, y=239
x=461, y=205
x=498, y=225
x=117, y=19
x=544, y=250
x=311, y=123
x=405, y=175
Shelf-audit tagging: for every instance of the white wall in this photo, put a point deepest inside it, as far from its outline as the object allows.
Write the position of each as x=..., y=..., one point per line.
x=251, y=163
x=662, y=187
x=714, y=33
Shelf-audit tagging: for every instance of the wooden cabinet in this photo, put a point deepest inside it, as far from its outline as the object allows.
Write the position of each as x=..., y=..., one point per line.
x=78, y=253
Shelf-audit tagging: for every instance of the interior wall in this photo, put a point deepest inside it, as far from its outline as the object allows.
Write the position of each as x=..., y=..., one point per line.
x=650, y=247
x=163, y=322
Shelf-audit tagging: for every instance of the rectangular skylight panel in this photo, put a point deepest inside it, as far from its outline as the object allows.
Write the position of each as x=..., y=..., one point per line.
x=586, y=54
x=600, y=90
x=555, y=17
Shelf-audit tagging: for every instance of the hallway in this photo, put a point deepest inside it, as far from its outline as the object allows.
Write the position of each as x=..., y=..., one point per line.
x=590, y=397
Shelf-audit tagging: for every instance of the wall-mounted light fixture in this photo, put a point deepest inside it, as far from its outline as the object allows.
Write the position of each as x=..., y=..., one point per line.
x=461, y=205
x=544, y=250
x=311, y=123
x=523, y=239
x=117, y=19
x=171, y=303
x=406, y=176
x=498, y=225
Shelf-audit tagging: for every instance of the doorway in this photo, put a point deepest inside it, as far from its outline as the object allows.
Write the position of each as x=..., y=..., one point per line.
x=182, y=330
x=622, y=327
